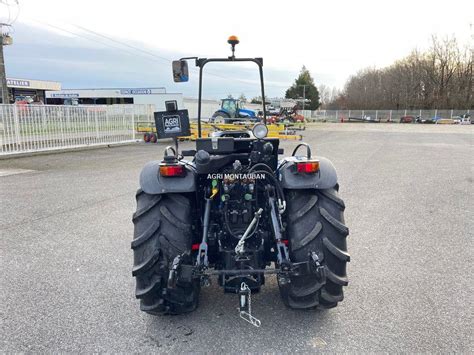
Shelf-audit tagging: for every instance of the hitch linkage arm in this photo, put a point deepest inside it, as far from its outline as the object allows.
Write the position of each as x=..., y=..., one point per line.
x=282, y=249
x=202, y=259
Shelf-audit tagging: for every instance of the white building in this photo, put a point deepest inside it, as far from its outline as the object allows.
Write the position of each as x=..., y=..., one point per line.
x=111, y=96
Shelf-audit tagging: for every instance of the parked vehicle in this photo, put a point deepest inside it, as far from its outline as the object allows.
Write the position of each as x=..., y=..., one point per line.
x=407, y=119
x=287, y=115
x=364, y=119
x=463, y=119
x=232, y=110
x=23, y=100
x=431, y=120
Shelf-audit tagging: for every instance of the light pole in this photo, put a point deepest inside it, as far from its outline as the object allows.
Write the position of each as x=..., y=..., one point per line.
x=304, y=96
x=4, y=40
x=6, y=22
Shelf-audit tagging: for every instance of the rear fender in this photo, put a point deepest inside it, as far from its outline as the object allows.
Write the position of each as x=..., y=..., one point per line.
x=152, y=183
x=325, y=178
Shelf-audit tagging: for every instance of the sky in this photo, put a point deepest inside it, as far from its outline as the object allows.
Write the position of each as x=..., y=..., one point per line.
x=63, y=40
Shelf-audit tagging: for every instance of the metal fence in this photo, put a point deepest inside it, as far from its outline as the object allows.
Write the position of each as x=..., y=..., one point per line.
x=31, y=128
x=383, y=115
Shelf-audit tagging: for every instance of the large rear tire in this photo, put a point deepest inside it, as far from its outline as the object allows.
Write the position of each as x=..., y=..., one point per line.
x=315, y=222
x=162, y=231
x=220, y=117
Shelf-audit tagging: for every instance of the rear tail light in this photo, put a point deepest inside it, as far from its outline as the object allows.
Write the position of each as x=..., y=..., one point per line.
x=307, y=167
x=172, y=170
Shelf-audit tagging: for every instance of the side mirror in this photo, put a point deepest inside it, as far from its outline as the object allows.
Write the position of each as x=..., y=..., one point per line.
x=180, y=71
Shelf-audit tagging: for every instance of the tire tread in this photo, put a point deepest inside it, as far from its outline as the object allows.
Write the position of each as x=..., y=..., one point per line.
x=319, y=228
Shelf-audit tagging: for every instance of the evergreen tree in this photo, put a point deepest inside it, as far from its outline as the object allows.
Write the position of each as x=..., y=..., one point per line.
x=304, y=82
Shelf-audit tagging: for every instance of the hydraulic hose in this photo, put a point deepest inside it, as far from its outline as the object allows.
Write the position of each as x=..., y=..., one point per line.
x=278, y=187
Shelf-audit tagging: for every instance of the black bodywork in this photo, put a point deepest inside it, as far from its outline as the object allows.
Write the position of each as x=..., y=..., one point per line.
x=248, y=176
x=237, y=184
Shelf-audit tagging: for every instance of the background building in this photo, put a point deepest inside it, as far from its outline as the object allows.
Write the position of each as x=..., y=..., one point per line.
x=111, y=96
x=19, y=89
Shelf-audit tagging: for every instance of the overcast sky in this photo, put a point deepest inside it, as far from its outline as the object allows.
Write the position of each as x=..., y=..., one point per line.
x=334, y=39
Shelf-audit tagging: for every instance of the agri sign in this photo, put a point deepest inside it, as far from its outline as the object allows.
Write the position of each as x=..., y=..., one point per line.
x=172, y=123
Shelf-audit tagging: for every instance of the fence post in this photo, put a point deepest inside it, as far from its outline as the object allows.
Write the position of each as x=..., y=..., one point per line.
x=107, y=121
x=390, y=115
x=88, y=138
x=376, y=114
x=16, y=122
x=133, y=123
x=68, y=126
x=96, y=126
x=405, y=113
x=451, y=113
x=125, y=121
x=61, y=124
x=337, y=115
x=436, y=113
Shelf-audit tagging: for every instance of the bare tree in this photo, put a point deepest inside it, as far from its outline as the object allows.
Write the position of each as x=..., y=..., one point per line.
x=441, y=77
x=324, y=95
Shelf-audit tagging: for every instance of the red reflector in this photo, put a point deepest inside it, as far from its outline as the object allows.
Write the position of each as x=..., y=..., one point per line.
x=308, y=167
x=172, y=170
x=285, y=241
x=195, y=246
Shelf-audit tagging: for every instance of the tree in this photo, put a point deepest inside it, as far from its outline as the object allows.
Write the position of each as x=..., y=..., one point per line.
x=243, y=98
x=439, y=78
x=258, y=100
x=230, y=96
x=304, y=84
x=324, y=94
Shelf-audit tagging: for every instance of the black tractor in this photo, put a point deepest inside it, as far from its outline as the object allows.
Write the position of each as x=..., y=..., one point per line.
x=237, y=213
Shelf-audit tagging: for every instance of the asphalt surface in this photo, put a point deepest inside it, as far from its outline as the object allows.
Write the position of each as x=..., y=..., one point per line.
x=65, y=232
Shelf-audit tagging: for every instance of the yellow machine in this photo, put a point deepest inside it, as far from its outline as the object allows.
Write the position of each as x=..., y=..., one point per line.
x=445, y=121
x=274, y=130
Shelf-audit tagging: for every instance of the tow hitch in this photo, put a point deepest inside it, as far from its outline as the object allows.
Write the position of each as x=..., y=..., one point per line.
x=245, y=305
x=186, y=273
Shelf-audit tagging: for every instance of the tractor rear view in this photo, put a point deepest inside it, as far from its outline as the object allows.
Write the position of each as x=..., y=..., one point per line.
x=232, y=110
x=236, y=212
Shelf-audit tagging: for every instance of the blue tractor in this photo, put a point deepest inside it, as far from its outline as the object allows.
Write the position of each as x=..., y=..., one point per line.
x=231, y=110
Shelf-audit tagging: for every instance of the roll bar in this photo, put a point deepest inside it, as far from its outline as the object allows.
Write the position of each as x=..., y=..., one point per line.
x=201, y=62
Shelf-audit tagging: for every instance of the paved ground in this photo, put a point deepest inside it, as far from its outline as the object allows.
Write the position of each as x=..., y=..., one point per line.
x=66, y=280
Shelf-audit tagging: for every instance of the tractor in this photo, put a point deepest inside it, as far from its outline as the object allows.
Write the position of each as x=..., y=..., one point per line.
x=231, y=110
x=235, y=212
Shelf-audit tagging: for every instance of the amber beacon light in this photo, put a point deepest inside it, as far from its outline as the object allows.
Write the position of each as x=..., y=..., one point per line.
x=233, y=40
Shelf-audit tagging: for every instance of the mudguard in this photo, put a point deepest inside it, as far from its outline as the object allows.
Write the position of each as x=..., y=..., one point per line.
x=324, y=179
x=152, y=183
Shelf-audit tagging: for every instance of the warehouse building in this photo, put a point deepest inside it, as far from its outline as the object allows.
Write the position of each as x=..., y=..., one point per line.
x=111, y=96
x=29, y=89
